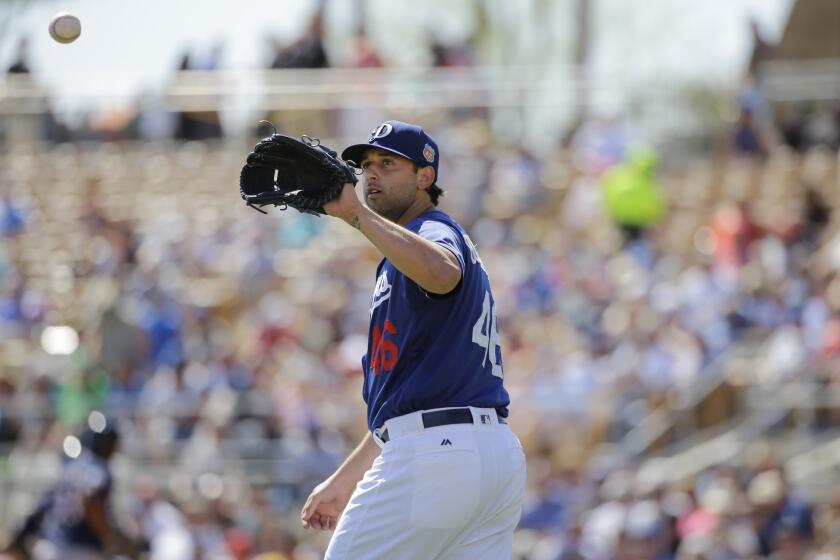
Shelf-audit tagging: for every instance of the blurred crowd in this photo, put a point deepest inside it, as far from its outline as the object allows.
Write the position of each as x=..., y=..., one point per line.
x=723, y=513
x=227, y=344
x=151, y=117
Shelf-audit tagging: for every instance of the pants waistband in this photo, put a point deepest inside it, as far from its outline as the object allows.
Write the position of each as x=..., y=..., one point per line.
x=422, y=419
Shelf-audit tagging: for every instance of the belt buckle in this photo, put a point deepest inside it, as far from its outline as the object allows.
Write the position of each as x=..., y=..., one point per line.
x=381, y=435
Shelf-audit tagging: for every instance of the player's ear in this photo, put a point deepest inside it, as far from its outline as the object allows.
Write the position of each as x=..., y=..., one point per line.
x=425, y=177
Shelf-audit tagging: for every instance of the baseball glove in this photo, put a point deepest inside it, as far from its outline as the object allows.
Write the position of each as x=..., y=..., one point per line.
x=301, y=173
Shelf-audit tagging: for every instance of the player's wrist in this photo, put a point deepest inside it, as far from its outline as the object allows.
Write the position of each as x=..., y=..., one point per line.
x=342, y=482
x=355, y=221
x=355, y=217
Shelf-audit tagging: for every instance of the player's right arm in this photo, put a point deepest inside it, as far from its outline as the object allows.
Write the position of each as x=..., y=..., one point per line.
x=429, y=265
x=328, y=499
x=96, y=516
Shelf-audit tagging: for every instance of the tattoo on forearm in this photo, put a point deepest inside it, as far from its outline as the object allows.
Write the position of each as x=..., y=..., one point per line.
x=356, y=223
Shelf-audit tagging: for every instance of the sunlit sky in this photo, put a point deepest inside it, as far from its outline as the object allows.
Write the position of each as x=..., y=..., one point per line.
x=127, y=47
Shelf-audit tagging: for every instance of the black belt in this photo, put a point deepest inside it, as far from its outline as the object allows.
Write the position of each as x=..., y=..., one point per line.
x=443, y=418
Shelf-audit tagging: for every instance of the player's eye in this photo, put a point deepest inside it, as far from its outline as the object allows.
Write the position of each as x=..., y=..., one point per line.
x=387, y=162
x=365, y=164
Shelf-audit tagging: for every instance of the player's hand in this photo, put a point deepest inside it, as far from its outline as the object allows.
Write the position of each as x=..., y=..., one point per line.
x=325, y=504
x=346, y=206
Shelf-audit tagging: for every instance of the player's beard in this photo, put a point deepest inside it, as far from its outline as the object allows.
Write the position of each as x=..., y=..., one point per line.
x=393, y=204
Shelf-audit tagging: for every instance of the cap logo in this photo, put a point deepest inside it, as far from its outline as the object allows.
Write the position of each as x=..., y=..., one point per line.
x=381, y=131
x=429, y=153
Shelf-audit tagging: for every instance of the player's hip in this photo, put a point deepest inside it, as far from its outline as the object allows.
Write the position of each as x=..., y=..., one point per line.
x=470, y=449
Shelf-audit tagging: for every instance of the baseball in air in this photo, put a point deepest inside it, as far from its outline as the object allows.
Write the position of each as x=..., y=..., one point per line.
x=65, y=28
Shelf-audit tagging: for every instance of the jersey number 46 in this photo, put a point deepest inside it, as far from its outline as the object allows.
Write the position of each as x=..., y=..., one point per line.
x=485, y=333
x=384, y=352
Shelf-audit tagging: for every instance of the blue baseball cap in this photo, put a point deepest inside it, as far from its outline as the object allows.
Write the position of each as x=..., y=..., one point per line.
x=403, y=139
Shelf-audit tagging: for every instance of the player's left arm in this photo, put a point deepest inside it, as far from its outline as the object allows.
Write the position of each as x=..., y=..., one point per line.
x=431, y=266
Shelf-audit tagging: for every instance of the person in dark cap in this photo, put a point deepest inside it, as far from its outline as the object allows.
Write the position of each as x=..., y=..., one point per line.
x=73, y=521
x=439, y=474
x=782, y=518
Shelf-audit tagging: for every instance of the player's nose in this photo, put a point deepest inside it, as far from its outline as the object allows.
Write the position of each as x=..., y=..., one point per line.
x=371, y=174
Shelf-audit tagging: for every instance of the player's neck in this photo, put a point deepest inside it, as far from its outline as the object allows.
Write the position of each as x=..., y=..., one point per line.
x=412, y=213
x=420, y=206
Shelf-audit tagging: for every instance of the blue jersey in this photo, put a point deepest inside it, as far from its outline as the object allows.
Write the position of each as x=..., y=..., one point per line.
x=64, y=521
x=432, y=351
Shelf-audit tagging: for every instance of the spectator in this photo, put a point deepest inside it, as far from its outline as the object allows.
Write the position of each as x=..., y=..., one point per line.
x=308, y=51
x=12, y=217
x=199, y=125
x=449, y=56
x=161, y=524
x=816, y=216
x=783, y=521
x=735, y=231
x=746, y=139
x=9, y=420
x=364, y=53
x=20, y=64
x=632, y=195
x=791, y=125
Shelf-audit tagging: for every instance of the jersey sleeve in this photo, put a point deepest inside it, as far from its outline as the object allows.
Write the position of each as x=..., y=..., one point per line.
x=445, y=236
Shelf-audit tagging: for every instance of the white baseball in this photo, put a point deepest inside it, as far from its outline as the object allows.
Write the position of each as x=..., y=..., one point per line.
x=65, y=28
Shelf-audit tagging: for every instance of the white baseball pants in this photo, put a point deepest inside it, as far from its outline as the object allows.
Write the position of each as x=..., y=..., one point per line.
x=450, y=492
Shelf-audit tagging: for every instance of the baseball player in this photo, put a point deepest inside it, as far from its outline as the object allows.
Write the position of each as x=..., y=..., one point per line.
x=73, y=521
x=440, y=475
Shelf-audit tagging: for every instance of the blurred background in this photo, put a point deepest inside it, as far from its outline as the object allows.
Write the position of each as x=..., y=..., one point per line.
x=652, y=186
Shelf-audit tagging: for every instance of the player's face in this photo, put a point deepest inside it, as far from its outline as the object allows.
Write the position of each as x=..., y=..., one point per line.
x=390, y=183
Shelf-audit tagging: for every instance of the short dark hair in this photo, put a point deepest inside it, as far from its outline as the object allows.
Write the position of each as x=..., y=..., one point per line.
x=434, y=191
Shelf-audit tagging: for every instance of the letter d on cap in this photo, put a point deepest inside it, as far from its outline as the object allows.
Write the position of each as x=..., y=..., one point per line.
x=380, y=131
